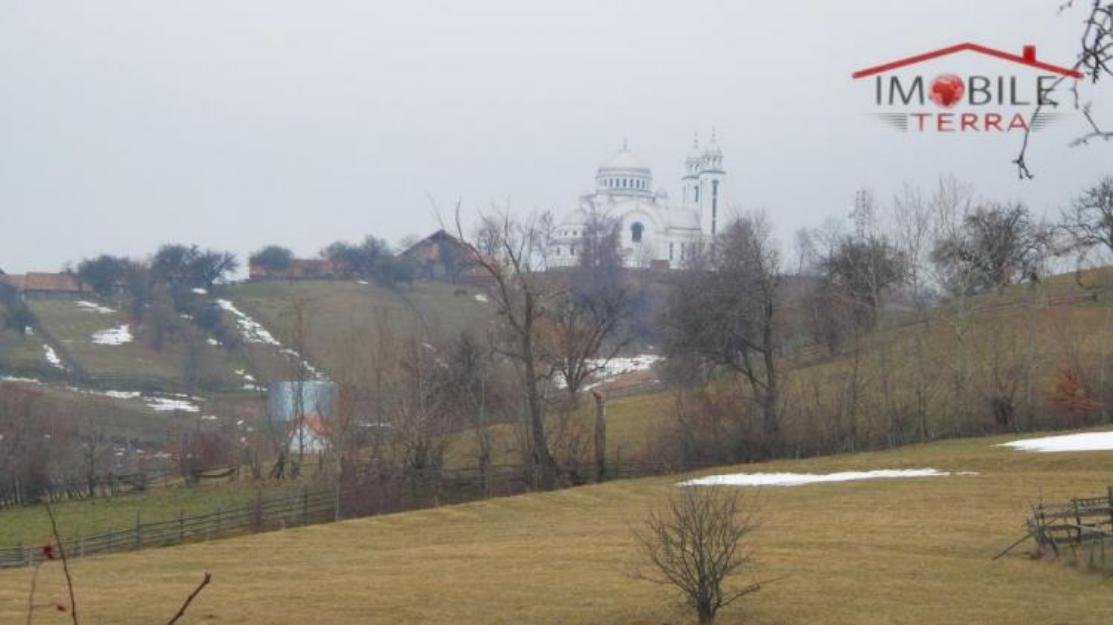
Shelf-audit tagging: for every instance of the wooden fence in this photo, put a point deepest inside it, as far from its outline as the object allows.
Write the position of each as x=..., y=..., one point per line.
x=17, y=493
x=304, y=508
x=1080, y=530
x=365, y=493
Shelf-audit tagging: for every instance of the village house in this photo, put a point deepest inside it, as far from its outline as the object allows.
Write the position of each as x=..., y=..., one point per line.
x=34, y=285
x=441, y=256
x=298, y=269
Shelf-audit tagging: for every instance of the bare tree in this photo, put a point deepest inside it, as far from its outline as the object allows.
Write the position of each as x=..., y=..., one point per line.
x=696, y=542
x=724, y=315
x=913, y=225
x=511, y=254
x=299, y=320
x=478, y=394
x=1094, y=62
x=1089, y=221
x=589, y=314
x=997, y=246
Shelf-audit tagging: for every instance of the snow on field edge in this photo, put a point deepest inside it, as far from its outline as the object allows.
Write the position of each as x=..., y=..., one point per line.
x=113, y=336
x=800, y=479
x=251, y=330
x=94, y=307
x=52, y=357
x=1086, y=441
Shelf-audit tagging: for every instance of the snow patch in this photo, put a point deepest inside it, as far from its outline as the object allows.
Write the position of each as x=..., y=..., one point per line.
x=252, y=331
x=52, y=357
x=800, y=479
x=113, y=336
x=122, y=394
x=12, y=378
x=615, y=367
x=1088, y=441
x=481, y=298
x=94, y=307
x=619, y=366
x=200, y=291
x=167, y=404
x=249, y=382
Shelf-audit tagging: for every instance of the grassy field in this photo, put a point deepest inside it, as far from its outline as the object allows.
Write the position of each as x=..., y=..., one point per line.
x=133, y=363
x=885, y=551
x=334, y=310
x=31, y=526
x=20, y=353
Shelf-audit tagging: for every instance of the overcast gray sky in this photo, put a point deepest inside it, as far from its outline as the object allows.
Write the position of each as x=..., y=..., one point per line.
x=234, y=124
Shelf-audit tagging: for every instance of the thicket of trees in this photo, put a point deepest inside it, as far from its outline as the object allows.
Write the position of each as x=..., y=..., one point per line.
x=876, y=335
x=873, y=334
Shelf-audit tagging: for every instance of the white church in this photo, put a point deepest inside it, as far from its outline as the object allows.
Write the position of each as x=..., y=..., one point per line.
x=654, y=232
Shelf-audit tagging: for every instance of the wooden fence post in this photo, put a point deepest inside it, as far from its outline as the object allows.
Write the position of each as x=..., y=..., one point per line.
x=138, y=531
x=600, y=436
x=1111, y=508
x=181, y=525
x=258, y=512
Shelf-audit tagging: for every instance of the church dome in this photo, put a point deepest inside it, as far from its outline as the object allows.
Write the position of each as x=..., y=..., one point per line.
x=624, y=174
x=713, y=155
x=624, y=159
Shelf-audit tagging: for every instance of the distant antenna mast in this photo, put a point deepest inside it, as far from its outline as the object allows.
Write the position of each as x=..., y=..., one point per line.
x=862, y=215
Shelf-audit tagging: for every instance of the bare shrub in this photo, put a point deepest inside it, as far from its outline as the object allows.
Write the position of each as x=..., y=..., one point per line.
x=695, y=542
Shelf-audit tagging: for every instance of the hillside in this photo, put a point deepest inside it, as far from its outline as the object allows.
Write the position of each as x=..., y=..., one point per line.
x=333, y=311
x=911, y=550
x=86, y=348
x=1011, y=349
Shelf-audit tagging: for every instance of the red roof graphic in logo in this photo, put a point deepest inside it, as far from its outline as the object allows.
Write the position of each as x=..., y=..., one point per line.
x=1028, y=58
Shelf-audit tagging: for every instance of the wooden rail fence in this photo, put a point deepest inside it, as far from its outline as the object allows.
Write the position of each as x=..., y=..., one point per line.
x=367, y=493
x=304, y=508
x=1080, y=530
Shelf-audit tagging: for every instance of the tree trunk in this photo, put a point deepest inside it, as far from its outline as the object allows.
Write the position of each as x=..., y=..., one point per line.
x=600, y=436
x=543, y=461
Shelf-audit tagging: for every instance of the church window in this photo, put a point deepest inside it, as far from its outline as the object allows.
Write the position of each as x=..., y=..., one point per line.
x=714, y=204
x=670, y=250
x=636, y=229
x=696, y=190
x=572, y=250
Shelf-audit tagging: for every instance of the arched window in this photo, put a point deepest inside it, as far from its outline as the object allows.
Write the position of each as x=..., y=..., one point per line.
x=636, y=230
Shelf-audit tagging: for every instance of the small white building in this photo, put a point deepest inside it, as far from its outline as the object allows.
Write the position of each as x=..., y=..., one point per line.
x=654, y=232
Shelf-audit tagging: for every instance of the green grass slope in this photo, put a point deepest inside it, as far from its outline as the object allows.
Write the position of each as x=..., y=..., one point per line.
x=335, y=310
x=883, y=551
x=132, y=364
x=22, y=354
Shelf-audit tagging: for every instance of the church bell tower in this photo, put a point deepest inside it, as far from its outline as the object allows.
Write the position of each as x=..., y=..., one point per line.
x=709, y=190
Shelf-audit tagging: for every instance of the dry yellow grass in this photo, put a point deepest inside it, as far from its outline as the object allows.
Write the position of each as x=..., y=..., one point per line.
x=884, y=551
